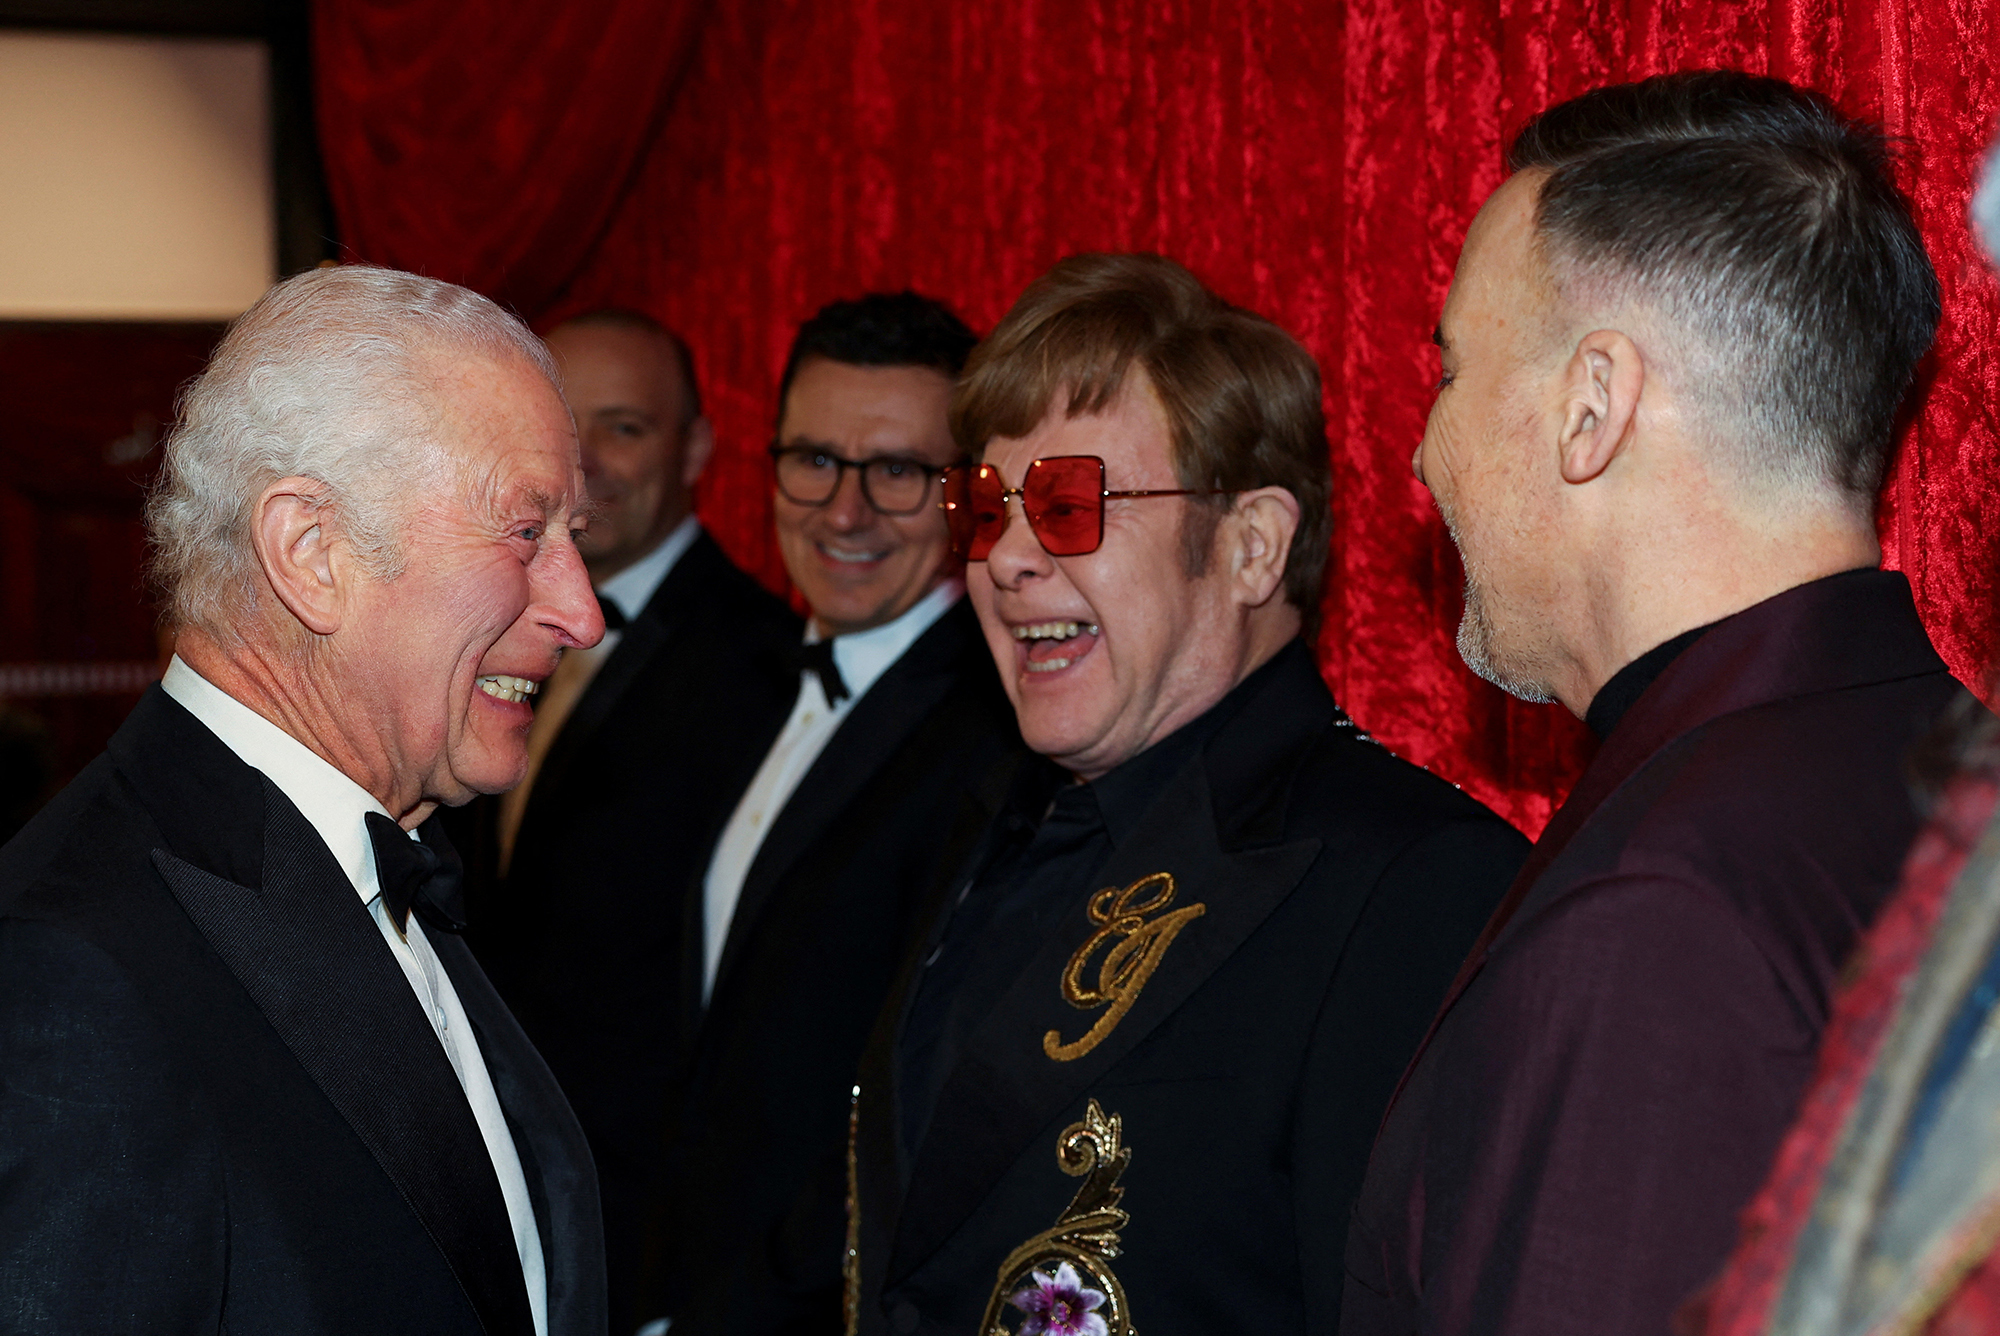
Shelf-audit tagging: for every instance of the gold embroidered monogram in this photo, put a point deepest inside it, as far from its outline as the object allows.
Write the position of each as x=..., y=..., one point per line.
x=1064, y=1272
x=1137, y=926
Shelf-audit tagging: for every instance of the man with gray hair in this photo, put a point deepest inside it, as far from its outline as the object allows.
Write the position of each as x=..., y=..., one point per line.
x=252, y=1079
x=1673, y=354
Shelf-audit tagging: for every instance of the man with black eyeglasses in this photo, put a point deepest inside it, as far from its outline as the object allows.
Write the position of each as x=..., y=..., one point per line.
x=1130, y=1078
x=822, y=873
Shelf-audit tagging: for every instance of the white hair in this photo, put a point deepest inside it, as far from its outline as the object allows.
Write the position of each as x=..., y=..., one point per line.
x=1986, y=206
x=330, y=376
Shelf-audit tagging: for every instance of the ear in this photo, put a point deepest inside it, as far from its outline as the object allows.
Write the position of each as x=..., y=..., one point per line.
x=289, y=532
x=1262, y=523
x=1601, y=387
x=697, y=444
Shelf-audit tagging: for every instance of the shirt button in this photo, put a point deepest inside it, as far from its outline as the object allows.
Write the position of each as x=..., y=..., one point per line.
x=904, y=1317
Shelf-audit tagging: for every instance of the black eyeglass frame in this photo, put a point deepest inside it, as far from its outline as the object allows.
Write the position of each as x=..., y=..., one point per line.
x=932, y=472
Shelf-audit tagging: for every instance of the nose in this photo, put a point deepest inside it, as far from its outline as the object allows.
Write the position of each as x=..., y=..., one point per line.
x=568, y=605
x=1017, y=555
x=1417, y=463
x=847, y=509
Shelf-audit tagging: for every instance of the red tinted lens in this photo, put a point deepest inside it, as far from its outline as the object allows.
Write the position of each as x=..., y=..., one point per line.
x=1064, y=501
x=975, y=508
x=958, y=507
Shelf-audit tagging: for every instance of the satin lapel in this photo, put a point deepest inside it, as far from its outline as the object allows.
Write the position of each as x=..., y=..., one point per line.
x=313, y=961
x=554, y=1154
x=642, y=638
x=638, y=643
x=998, y=1103
x=881, y=721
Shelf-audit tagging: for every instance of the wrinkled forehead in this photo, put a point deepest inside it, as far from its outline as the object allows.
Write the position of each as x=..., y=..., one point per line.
x=502, y=432
x=1503, y=274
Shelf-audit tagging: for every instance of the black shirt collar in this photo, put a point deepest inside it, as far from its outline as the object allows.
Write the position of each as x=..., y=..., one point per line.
x=1126, y=793
x=1629, y=683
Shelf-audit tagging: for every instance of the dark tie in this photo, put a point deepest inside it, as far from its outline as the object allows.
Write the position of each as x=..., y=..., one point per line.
x=424, y=875
x=614, y=617
x=817, y=658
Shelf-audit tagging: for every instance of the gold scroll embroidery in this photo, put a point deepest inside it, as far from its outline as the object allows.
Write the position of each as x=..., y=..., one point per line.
x=1138, y=941
x=1085, y=1237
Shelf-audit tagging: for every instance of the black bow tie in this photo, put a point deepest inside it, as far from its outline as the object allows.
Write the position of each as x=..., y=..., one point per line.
x=424, y=875
x=614, y=616
x=817, y=658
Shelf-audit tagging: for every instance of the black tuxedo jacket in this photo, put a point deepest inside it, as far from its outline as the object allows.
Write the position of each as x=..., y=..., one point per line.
x=750, y=1222
x=1608, y=1082
x=586, y=937
x=1340, y=888
x=221, y=1105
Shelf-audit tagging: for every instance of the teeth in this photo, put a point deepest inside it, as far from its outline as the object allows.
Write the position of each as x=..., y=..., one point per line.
x=1049, y=665
x=511, y=689
x=847, y=554
x=1053, y=631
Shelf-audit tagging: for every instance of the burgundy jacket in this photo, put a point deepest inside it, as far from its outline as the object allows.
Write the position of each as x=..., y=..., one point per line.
x=1609, y=1078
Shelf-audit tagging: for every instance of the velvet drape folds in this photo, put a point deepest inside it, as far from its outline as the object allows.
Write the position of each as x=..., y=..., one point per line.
x=490, y=143
x=731, y=169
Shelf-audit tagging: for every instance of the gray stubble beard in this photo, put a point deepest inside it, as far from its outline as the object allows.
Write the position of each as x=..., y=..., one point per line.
x=1475, y=646
x=1476, y=633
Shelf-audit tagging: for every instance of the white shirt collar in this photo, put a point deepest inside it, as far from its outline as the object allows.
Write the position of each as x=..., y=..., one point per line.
x=865, y=655
x=633, y=588
x=336, y=806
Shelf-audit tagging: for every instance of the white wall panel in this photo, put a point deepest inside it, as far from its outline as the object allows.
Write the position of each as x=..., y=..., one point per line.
x=135, y=177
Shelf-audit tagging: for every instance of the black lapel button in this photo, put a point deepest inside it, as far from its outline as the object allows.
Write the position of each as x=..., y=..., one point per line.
x=904, y=1317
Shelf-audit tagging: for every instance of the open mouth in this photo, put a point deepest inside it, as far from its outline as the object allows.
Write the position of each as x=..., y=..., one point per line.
x=513, y=690
x=1053, y=646
x=850, y=556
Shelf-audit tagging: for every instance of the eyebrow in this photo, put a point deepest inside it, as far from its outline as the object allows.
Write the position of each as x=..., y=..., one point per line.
x=828, y=448
x=532, y=498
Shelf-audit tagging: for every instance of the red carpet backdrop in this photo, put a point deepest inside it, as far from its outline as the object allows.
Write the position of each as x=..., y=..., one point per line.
x=731, y=167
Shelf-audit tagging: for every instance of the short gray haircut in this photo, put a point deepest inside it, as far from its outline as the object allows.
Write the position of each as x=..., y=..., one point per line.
x=330, y=377
x=1763, y=226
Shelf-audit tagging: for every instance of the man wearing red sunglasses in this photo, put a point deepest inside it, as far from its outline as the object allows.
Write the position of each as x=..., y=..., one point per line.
x=1192, y=968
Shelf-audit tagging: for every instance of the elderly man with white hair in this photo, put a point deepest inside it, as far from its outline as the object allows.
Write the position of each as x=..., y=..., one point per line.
x=250, y=1079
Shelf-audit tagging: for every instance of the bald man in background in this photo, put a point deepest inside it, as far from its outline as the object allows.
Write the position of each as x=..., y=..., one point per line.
x=638, y=754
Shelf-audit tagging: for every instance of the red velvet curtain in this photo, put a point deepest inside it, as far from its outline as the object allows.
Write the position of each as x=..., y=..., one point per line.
x=1316, y=161
x=490, y=143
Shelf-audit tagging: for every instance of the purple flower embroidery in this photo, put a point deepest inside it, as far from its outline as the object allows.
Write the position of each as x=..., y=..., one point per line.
x=1059, y=1305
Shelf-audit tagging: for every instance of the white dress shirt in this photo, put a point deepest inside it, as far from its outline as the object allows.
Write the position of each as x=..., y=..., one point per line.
x=338, y=809
x=862, y=659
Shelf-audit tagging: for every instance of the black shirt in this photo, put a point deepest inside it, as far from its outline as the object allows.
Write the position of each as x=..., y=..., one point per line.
x=1039, y=870
x=1629, y=683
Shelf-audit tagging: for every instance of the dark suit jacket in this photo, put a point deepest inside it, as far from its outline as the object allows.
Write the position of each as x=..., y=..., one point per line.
x=222, y=1107
x=586, y=938
x=751, y=1221
x=1341, y=887
x=1570, y=1150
